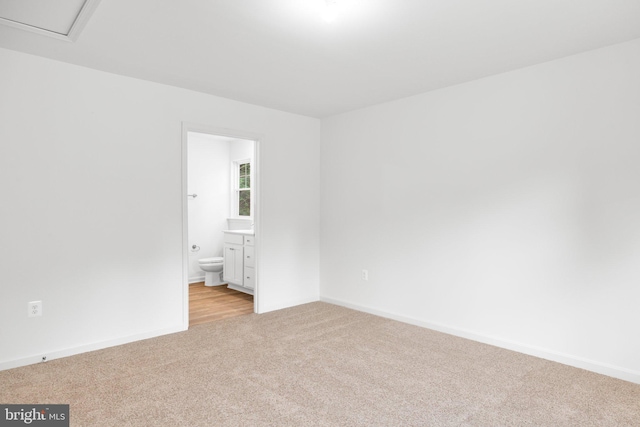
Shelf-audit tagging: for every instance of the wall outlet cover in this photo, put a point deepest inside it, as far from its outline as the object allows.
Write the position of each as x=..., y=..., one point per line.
x=34, y=308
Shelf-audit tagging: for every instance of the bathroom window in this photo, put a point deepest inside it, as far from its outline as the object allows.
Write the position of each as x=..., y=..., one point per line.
x=242, y=203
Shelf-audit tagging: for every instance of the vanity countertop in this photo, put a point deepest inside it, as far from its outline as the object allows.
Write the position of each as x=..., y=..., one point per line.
x=243, y=232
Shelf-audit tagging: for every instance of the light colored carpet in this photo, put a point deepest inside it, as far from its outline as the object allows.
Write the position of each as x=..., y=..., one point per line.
x=320, y=365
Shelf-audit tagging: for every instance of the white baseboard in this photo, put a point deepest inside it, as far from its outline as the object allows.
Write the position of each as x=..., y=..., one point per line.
x=57, y=354
x=566, y=359
x=196, y=279
x=238, y=288
x=286, y=304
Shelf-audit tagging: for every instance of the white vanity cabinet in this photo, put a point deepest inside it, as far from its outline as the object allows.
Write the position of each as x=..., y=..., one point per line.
x=249, y=263
x=239, y=261
x=233, y=269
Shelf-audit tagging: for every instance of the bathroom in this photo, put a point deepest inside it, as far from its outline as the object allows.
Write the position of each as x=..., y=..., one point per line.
x=220, y=182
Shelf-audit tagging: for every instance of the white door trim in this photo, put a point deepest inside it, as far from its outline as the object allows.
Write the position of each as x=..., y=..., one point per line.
x=240, y=134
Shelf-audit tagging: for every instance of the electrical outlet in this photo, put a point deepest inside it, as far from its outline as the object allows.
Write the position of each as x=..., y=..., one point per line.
x=34, y=308
x=365, y=275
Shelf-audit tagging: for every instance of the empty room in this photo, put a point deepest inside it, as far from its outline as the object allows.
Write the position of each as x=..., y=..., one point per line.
x=320, y=212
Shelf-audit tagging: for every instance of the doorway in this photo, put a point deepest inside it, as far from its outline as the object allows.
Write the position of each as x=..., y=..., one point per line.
x=220, y=202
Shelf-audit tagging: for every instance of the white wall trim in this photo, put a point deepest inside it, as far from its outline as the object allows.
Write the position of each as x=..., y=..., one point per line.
x=74, y=32
x=566, y=359
x=288, y=304
x=239, y=134
x=196, y=279
x=71, y=351
x=83, y=17
x=234, y=190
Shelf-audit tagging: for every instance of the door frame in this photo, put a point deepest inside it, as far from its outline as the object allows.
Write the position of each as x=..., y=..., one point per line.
x=233, y=133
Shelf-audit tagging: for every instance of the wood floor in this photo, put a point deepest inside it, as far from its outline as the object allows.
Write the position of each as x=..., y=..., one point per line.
x=208, y=304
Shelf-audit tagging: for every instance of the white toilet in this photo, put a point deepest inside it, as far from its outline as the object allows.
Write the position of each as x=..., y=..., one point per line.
x=212, y=268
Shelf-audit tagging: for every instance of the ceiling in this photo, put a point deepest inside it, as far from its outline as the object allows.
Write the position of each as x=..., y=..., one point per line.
x=282, y=53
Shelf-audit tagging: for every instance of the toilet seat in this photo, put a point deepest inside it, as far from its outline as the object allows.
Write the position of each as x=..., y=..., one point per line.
x=213, y=260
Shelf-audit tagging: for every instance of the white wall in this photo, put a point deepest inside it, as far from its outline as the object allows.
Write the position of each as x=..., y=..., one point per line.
x=209, y=178
x=91, y=215
x=241, y=149
x=505, y=209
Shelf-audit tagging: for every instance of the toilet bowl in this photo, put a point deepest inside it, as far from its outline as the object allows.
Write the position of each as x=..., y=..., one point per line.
x=212, y=268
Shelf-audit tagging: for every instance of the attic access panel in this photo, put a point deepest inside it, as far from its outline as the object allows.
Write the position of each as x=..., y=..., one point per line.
x=62, y=19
